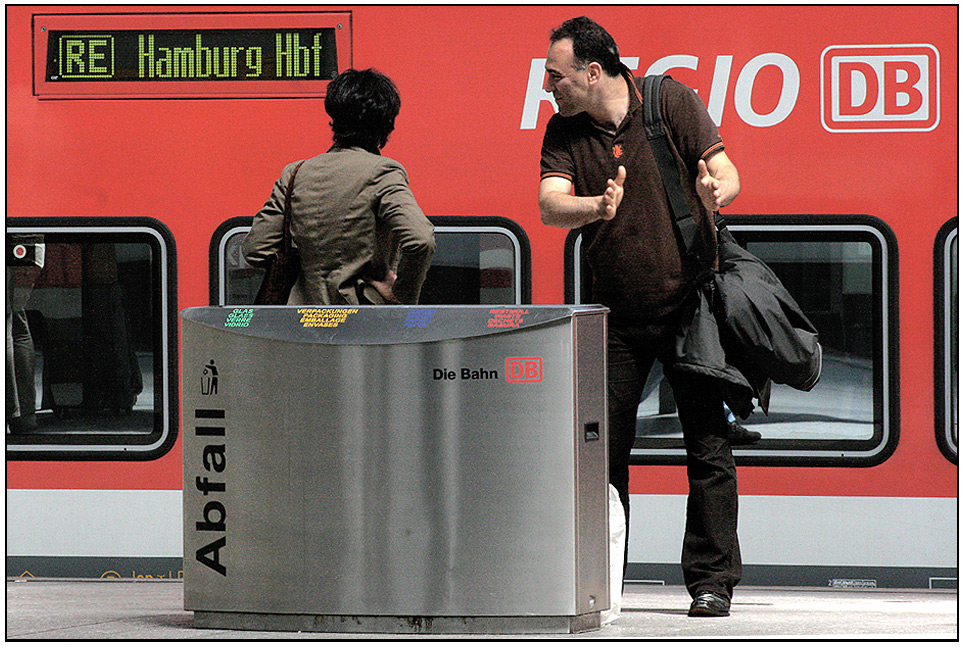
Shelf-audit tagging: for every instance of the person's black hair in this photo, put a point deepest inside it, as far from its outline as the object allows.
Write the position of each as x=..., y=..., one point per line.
x=362, y=105
x=590, y=42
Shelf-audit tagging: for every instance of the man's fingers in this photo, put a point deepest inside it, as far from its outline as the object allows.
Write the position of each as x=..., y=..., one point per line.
x=705, y=178
x=613, y=194
x=701, y=169
x=621, y=175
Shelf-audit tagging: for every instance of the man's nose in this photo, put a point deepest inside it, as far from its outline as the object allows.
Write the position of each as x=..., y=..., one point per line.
x=547, y=86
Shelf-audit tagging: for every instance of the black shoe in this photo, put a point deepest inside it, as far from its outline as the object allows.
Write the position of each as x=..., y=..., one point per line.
x=22, y=425
x=740, y=435
x=710, y=605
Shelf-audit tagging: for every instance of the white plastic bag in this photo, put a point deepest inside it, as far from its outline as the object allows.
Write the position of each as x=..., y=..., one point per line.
x=617, y=547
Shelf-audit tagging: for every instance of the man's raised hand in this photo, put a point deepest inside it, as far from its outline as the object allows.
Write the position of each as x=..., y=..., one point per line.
x=613, y=196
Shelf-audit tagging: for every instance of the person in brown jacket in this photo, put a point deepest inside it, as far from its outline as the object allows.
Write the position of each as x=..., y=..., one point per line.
x=362, y=237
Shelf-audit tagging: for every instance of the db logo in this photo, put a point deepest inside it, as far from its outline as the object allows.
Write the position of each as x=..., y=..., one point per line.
x=880, y=88
x=523, y=369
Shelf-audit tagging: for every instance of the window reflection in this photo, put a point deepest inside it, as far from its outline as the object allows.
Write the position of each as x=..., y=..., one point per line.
x=471, y=266
x=953, y=343
x=947, y=346
x=840, y=271
x=833, y=283
x=85, y=345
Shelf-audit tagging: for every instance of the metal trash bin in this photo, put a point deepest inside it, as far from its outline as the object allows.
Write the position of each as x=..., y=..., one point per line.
x=395, y=469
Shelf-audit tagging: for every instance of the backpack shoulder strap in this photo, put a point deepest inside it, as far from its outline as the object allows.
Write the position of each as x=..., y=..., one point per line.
x=659, y=141
x=651, y=109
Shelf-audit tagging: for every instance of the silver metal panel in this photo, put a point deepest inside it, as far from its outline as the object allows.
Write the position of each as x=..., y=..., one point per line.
x=485, y=625
x=443, y=478
x=592, y=430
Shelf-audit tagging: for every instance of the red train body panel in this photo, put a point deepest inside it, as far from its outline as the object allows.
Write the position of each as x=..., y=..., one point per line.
x=470, y=132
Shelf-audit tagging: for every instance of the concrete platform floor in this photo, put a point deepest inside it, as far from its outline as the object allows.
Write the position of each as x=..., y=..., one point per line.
x=153, y=610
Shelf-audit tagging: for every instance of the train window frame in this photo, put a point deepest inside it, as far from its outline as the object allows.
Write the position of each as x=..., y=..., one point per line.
x=946, y=330
x=885, y=354
x=522, y=279
x=110, y=446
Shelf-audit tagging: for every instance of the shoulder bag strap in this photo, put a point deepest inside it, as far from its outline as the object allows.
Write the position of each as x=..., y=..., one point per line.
x=287, y=216
x=659, y=142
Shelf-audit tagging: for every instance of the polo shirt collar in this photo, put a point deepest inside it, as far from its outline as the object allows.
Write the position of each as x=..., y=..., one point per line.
x=635, y=103
x=635, y=98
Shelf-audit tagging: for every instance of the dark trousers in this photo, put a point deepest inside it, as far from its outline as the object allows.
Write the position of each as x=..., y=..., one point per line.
x=20, y=363
x=711, y=550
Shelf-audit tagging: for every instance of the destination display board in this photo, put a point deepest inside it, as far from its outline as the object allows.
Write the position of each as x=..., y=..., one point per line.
x=189, y=54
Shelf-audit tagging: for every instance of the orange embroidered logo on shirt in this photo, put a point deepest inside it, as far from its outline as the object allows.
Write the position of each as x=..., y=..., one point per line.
x=617, y=151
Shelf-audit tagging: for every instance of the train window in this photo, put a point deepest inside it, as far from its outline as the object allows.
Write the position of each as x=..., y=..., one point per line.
x=91, y=339
x=842, y=271
x=946, y=300
x=478, y=260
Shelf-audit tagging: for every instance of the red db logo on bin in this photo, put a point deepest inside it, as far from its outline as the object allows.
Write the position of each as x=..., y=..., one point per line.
x=880, y=88
x=523, y=369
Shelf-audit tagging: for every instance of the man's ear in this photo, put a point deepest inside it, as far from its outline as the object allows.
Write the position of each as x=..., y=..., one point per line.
x=595, y=71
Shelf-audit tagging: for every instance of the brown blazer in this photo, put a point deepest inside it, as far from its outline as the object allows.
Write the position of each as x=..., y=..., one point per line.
x=353, y=217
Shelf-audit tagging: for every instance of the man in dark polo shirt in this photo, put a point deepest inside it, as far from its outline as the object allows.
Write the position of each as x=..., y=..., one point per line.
x=599, y=174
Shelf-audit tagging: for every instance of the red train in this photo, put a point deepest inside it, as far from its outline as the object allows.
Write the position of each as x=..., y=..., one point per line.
x=141, y=140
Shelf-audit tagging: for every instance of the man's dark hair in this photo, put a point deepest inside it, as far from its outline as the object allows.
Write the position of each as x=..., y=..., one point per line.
x=590, y=42
x=362, y=105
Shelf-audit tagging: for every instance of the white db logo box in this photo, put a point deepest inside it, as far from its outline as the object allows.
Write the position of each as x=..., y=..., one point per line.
x=880, y=88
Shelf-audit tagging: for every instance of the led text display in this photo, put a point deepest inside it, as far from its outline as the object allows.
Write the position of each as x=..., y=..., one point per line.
x=192, y=55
